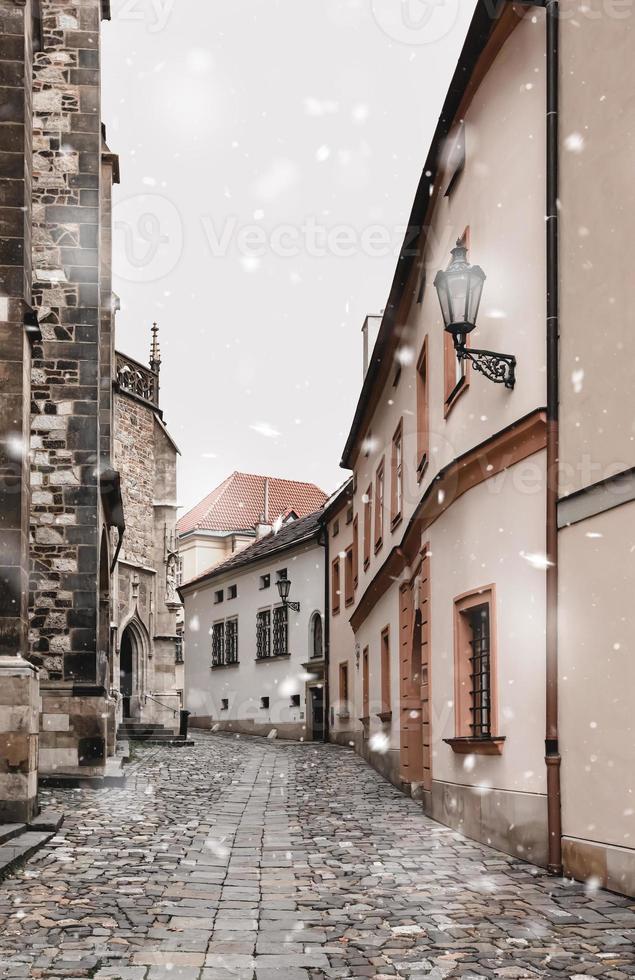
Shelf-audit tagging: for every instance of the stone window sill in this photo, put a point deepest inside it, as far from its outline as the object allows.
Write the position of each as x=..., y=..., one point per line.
x=476, y=746
x=273, y=658
x=225, y=666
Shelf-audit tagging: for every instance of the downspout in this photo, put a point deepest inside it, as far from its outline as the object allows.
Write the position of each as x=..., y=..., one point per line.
x=552, y=748
x=327, y=632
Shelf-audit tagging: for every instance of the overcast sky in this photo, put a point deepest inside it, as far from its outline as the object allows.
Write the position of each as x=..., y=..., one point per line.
x=270, y=151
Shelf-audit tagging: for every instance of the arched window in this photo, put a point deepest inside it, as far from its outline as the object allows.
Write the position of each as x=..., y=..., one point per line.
x=317, y=640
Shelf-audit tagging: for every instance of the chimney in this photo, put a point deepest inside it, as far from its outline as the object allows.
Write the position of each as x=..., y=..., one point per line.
x=370, y=331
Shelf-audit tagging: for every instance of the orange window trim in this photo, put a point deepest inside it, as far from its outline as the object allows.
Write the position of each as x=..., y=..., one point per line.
x=380, y=486
x=396, y=477
x=365, y=684
x=355, y=552
x=335, y=586
x=344, y=682
x=349, y=593
x=423, y=414
x=462, y=664
x=386, y=708
x=368, y=522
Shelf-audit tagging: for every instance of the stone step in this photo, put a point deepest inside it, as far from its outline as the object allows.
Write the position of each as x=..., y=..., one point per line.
x=21, y=848
x=10, y=830
x=49, y=819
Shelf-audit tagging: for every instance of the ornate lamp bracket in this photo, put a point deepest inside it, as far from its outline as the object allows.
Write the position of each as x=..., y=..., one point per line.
x=499, y=368
x=292, y=605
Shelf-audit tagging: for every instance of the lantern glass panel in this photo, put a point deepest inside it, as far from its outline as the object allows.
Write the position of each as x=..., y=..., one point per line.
x=441, y=284
x=459, y=293
x=477, y=277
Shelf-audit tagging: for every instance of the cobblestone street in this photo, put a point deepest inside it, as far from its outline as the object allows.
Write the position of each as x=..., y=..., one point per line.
x=256, y=859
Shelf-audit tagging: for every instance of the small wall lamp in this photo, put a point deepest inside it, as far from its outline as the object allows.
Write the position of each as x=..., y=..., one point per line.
x=460, y=289
x=284, y=587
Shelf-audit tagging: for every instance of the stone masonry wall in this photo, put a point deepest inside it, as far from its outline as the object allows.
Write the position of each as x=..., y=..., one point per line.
x=16, y=28
x=65, y=512
x=134, y=459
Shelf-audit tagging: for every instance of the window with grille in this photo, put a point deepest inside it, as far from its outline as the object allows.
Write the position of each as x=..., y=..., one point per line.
x=480, y=693
x=317, y=646
x=280, y=631
x=231, y=641
x=263, y=634
x=475, y=662
x=218, y=644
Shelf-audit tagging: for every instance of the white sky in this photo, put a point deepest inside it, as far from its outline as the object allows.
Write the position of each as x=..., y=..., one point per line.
x=282, y=119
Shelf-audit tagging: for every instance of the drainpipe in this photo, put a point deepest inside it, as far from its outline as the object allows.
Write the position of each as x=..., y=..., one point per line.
x=552, y=748
x=327, y=632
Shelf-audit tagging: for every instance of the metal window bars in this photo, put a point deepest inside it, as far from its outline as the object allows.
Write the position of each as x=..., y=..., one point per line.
x=480, y=694
x=218, y=644
x=263, y=634
x=280, y=631
x=231, y=641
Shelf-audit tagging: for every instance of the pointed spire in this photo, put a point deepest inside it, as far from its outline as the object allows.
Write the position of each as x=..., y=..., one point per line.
x=155, y=350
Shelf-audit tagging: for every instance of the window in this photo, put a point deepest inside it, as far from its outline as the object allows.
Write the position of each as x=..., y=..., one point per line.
x=474, y=658
x=335, y=586
x=231, y=641
x=218, y=644
x=423, y=425
x=295, y=701
x=336, y=528
x=263, y=634
x=178, y=648
x=379, y=506
x=349, y=514
x=343, y=683
x=224, y=704
x=355, y=552
x=264, y=702
x=368, y=524
x=349, y=591
x=218, y=597
x=317, y=639
x=280, y=631
x=232, y=592
x=280, y=574
x=265, y=581
x=396, y=483
x=365, y=684
x=179, y=571
x=386, y=710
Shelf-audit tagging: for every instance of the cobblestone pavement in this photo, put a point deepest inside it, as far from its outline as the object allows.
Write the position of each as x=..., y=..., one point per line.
x=255, y=859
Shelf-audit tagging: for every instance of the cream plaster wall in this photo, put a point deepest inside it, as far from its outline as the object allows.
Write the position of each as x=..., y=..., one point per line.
x=500, y=195
x=480, y=541
x=597, y=677
x=201, y=551
x=598, y=198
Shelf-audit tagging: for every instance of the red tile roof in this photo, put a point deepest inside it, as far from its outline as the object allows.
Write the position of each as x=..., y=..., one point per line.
x=273, y=543
x=238, y=503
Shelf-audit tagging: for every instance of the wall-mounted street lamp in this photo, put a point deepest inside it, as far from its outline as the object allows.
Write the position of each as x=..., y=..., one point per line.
x=284, y=587
x=460, y=289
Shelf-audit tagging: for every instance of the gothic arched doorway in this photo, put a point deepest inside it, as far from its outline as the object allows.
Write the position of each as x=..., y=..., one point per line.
x=127, y=670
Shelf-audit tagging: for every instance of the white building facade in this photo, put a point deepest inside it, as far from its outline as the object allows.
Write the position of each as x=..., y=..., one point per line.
x=253, y=663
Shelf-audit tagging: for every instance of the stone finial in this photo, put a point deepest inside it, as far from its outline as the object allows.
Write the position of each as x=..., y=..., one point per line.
x=155, y=349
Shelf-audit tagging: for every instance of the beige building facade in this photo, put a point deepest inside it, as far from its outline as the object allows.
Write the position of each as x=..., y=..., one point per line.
x=468, y=643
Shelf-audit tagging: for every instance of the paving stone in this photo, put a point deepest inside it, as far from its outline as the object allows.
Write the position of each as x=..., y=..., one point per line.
x=269, y=860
